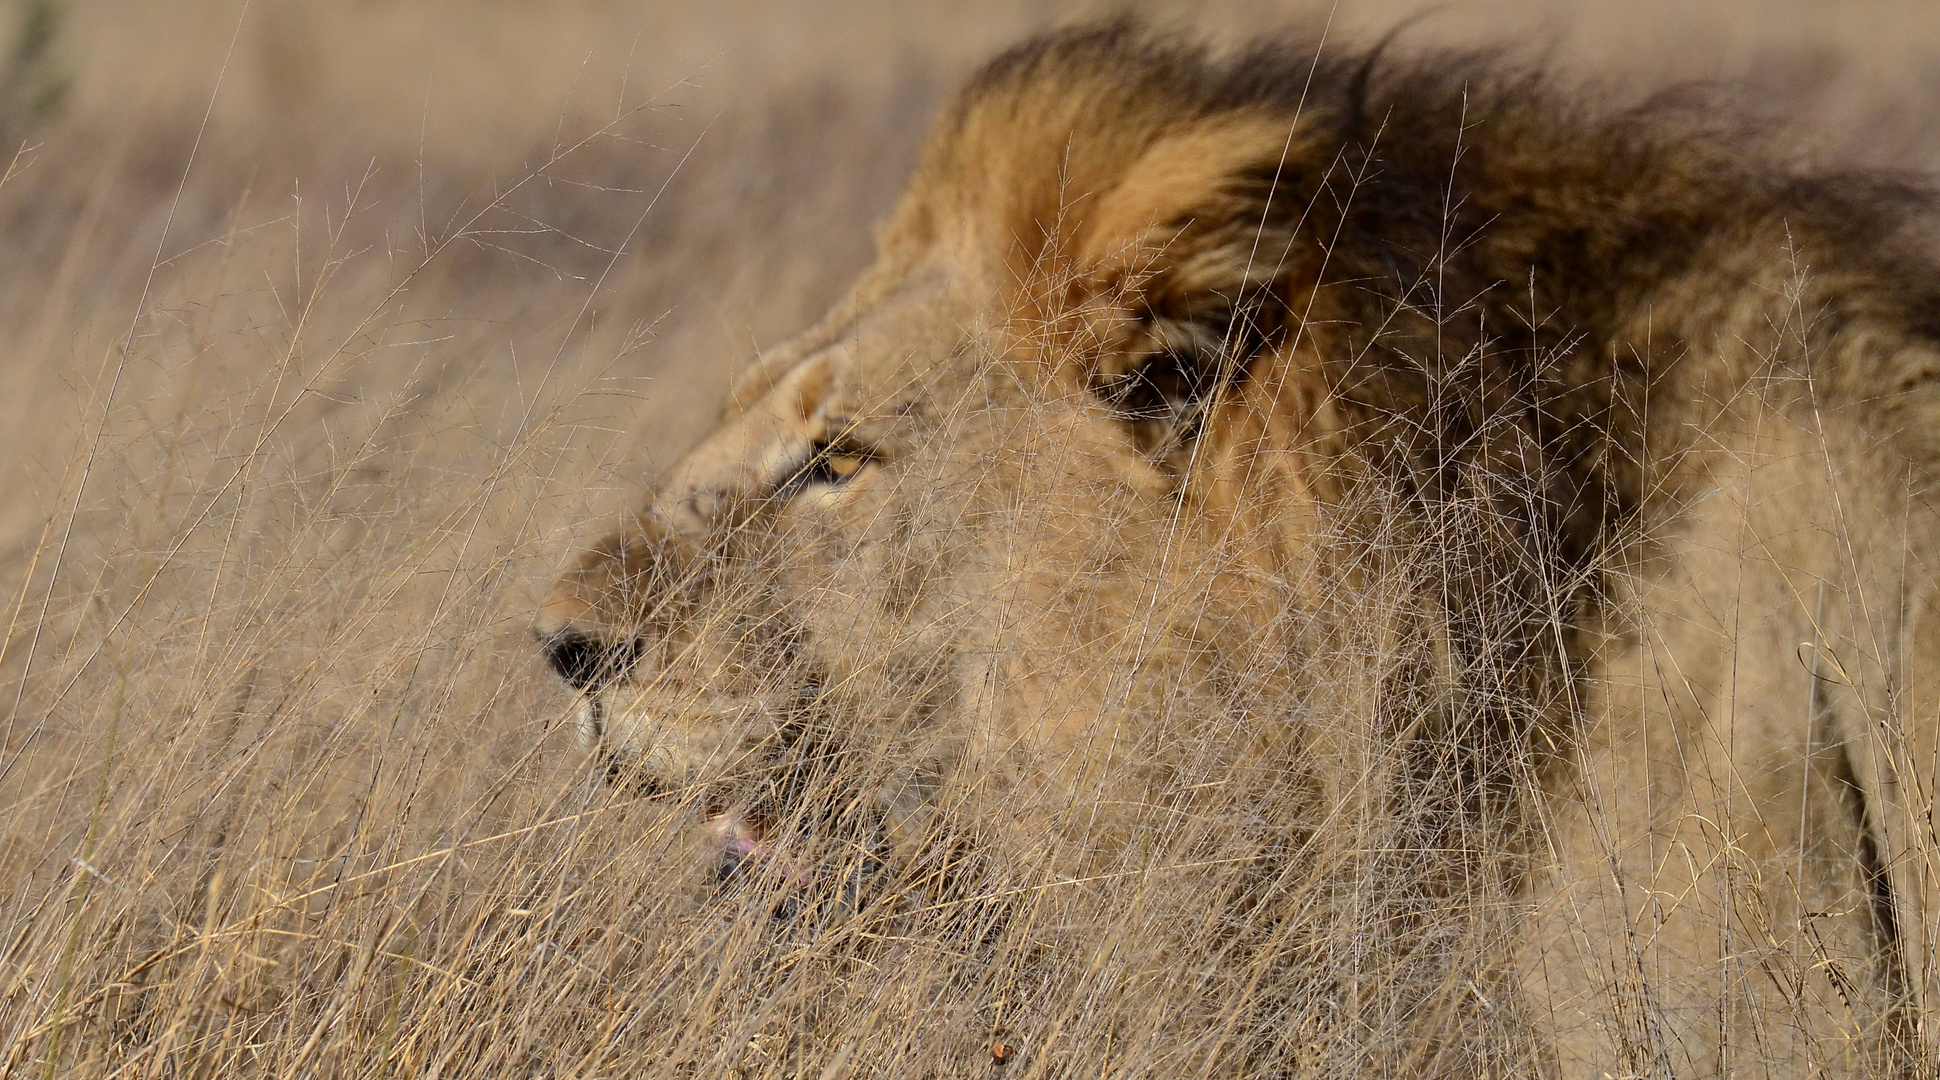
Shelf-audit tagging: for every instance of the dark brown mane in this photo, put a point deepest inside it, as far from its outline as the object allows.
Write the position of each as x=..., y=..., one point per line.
x=1488, y=233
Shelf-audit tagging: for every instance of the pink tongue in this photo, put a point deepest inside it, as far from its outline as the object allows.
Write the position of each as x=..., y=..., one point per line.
x=738, y=840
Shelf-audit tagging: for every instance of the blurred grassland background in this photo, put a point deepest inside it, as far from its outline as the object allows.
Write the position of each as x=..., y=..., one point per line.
x=326, y=330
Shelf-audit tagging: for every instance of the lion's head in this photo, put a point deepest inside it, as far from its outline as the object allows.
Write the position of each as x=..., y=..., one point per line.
x=1171, y=416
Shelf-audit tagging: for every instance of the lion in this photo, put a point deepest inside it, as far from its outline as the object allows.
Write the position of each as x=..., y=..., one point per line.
x=1398, y=472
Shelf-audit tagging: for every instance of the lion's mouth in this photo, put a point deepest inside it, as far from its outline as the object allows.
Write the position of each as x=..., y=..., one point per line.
x=747, y=855
x=750, y=862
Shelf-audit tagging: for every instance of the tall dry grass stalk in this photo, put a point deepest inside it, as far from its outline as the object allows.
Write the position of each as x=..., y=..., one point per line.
x=326, y=333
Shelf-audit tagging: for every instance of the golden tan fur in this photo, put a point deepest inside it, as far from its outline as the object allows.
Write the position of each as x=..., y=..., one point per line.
x=1325, y=452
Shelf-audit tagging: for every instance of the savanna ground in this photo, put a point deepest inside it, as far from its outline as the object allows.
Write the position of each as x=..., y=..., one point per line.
x=327, y=331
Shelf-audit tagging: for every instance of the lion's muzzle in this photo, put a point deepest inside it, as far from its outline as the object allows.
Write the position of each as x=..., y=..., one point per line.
x=684, y=743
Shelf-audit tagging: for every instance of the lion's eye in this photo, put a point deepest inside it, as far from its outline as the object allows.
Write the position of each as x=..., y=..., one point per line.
x=830, y=465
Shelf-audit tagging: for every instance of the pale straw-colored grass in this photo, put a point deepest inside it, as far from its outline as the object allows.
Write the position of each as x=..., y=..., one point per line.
x=328, y=331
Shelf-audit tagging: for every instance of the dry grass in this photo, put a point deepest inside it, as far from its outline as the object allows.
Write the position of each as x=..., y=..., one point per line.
x=328, y=330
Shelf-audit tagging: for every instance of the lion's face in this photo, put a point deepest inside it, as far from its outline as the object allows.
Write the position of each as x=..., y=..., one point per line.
x=983, y=513
x=1041, y=526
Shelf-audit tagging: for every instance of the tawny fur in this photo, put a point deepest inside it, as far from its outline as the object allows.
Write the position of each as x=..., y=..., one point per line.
x=1555, y=482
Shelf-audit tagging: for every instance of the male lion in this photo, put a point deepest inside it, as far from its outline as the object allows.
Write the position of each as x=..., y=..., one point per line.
x=1462, y=542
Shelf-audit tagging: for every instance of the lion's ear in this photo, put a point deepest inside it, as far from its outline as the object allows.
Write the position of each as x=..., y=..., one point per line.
x=1195, y=260
x=1166, y=373
x=1195, y=211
